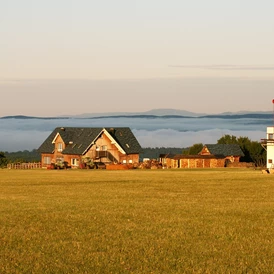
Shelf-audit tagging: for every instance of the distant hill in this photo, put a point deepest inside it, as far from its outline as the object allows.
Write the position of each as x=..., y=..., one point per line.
x=240, y=116
x=178, y=112
x=168, y=113
x=32, y=117
x=155, y=113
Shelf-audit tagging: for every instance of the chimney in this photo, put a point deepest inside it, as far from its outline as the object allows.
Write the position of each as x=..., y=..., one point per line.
x=112, y=130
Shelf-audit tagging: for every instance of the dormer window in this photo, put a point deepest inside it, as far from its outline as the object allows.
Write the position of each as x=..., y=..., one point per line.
x=59, y=147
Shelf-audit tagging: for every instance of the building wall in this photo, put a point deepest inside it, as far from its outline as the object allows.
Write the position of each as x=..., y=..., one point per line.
x=270, y=147
x=201, y=163
x=73, y=161
x=207, y=163
x=195, y=163
x=104, y=142
x=233, y=159
x=129, y=159
x=57, y=153
x=49, y=157
x=217, y=163
x=101, y=144
x=168, y=162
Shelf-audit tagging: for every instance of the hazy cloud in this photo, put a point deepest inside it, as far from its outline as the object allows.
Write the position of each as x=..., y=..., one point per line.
x=226, y=67
x=27, y=134
x=16, y=140
x=173, y=138
x=29, y=140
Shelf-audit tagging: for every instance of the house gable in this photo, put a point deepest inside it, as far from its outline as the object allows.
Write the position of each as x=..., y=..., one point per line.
x=59, y=144
x=205, y=151
x=55, y=138
x=111, y=139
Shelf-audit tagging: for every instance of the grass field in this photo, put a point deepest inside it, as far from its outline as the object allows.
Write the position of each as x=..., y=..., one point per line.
x=136, y=221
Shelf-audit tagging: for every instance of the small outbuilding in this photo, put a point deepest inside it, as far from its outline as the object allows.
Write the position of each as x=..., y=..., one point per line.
x=231, y=152
x=211, y=156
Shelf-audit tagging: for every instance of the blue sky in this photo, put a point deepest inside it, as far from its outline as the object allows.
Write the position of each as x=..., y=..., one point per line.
x=169, y=52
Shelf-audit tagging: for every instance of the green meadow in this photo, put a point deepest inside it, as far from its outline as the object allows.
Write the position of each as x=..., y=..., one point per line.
x=136, y=221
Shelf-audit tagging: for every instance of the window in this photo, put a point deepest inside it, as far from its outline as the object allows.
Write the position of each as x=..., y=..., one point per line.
x=270, y=136
x=270, y=161
x=104, y=148
x=59, y=147
x=74, y=162
x=47, y=160
x=130, y=161
x=124, y=161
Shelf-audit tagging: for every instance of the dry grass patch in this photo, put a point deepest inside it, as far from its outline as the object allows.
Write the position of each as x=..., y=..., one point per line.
x=136, y=221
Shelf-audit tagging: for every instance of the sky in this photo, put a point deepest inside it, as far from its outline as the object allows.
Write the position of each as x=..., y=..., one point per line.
x=60, y=57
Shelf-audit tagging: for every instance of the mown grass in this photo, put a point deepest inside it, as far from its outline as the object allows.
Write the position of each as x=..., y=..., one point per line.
x=136, y=221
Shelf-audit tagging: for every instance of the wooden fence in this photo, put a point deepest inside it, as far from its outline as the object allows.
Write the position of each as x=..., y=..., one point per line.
x=24, y=166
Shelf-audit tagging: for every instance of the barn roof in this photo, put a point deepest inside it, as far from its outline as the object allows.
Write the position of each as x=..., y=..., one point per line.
x=78, y=140
x=224, y=149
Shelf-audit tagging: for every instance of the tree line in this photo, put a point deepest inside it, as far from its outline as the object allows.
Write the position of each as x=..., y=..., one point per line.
x=19, y=157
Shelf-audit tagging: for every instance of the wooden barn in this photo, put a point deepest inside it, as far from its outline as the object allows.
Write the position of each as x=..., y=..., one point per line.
x=192, y=161
x=102, y=145
x=231, y=152
x=211, y=156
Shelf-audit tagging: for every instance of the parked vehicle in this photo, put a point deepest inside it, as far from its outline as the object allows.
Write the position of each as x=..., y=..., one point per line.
x=88, y=163
x=60, y=165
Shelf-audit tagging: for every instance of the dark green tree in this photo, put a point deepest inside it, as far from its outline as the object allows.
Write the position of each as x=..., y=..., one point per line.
x=252, y=150
x=228, y=139
x=193, y=150
x=23, y=156
x=3, y=160
x=257, y=153
x=245, y=144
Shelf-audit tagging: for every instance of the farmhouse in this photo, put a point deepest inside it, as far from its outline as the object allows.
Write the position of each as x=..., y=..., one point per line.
x=211, y=156
x=100, y=145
